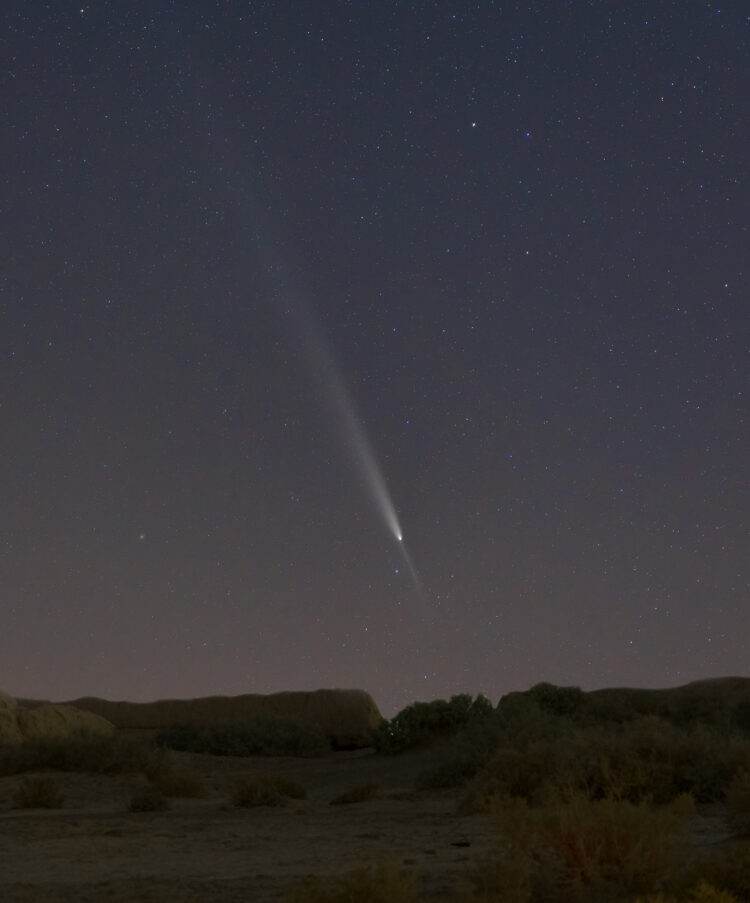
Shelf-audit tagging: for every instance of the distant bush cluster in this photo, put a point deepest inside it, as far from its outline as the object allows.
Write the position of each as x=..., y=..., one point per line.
x=85, y=753
x=422, y=722
x=591, y=793
x=266, y=736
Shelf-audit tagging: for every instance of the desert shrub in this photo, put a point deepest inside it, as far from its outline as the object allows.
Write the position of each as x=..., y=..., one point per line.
x=521, y=720
x=38, y=793
x=267, y=736
x=148, y=799
x=81, y=753
x=566, y=701
x=172, y=779
x=383, y=883
x=619, y=705
x=702, y=893
x=601, y=848
x=641, y=759
x=536, y=772
x=264, y=790
x=465, y=753
x=687, y=711
x=357, y=794
x=651, y=757
x=421, y=722
x=728, y=870
x=177, y=782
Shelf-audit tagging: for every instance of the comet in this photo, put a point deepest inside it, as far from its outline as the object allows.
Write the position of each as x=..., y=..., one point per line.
x=324, y=368
x=353, y=430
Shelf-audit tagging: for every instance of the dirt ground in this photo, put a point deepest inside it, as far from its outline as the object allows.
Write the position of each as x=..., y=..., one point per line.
x=94, y=849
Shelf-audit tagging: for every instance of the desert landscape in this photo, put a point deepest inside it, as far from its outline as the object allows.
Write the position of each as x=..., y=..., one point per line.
x=550, y=794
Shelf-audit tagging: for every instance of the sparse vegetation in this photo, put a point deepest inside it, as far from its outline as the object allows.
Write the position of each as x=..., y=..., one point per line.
x=38, y=793
x=383, y=883
x=357, y=794
x=175, y=781
x=259, y=737
x=265, y=790
x=591, y=793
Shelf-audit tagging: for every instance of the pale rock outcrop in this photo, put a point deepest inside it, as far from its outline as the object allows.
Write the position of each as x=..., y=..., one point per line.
x=348, y=718
x=60, y=721
x=18, y=723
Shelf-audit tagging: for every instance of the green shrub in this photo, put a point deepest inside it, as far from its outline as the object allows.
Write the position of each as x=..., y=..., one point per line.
x=265, y=790
x=357, y=794
x=38, y=793
x=421, y=722
x=268, y=736
x=383, y=883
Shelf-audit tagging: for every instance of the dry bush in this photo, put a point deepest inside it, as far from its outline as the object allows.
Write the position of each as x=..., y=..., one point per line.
x=703, y=893
x=645, y=758
x=728, y=870
x=265, y=790
x=173, y=780
x=38, y=793
x=569, y=848
x=357, y=794
x=179, y=782
x=383, y=883
x=536, y=773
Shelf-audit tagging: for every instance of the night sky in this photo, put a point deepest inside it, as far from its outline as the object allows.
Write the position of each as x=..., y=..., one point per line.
x=265, y=265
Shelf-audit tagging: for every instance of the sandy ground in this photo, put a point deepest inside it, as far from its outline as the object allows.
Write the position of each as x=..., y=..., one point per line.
x=204, y=850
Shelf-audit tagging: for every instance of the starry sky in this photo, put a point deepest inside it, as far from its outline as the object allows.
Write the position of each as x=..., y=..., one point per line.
x=265, y=266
